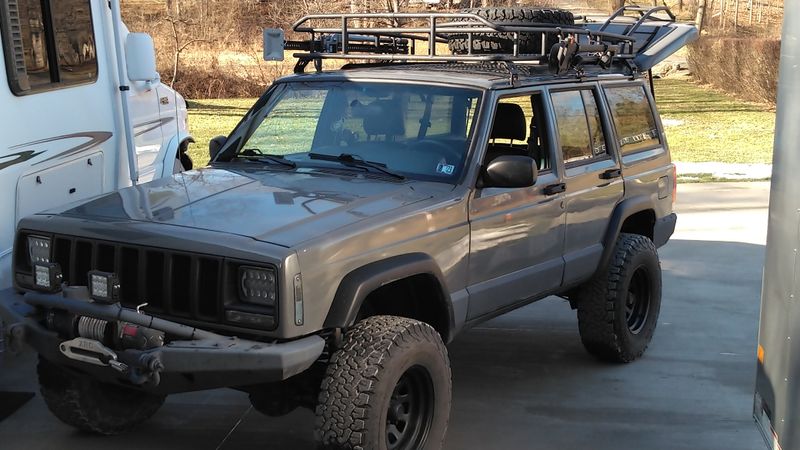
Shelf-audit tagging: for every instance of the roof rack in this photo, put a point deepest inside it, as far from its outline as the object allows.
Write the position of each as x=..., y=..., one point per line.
x=343, y=37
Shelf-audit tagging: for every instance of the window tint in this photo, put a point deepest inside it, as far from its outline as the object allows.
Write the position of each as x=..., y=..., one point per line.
x=72, y=26
x=48, y=44
x=633, y=118
x=289, y=127
x=34, y=44
x=516, y=130
x=580, y=130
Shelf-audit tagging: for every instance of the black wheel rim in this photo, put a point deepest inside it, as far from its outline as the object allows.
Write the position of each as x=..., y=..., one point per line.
x=410, y=412
x=637, y=301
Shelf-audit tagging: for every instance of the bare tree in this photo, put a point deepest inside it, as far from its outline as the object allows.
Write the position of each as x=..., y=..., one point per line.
x=701, y=14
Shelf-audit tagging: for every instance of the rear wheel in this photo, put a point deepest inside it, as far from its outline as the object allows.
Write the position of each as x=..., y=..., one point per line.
x=618, y=309
x=504, y=42
x=387, y=388
x=88, y=405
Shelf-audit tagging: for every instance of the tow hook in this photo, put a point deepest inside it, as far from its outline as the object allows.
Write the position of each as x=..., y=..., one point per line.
x=92, y=352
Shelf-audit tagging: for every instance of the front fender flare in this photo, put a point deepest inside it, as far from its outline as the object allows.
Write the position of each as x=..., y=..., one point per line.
x=358, y=284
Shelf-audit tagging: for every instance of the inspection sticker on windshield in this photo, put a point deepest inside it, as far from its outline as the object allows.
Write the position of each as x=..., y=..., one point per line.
x=446, y=169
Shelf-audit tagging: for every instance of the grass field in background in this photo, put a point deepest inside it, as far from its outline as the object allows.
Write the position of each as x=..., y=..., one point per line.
x=701, y=124
x=210, y=118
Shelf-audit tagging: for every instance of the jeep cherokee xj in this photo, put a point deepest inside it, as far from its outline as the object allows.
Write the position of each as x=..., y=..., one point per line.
x=357, y=220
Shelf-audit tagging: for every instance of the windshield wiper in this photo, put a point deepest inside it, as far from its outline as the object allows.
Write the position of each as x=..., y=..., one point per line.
x=353, y=160
x=254, y=154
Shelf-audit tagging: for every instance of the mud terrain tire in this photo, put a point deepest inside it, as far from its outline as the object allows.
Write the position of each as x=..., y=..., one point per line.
x=504, y=42
x=387, y=387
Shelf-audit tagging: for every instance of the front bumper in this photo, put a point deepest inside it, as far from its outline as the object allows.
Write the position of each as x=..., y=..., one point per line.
x=199, y=360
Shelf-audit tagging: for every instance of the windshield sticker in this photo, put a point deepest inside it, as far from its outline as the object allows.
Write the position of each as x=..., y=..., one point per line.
x=446, y=169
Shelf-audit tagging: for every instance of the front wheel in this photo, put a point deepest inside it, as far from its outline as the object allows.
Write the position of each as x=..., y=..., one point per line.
x=92, y=406
x=388, y=387
x=618, y=309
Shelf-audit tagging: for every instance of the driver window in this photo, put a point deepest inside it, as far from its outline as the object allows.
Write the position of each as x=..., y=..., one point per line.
x=516, y=130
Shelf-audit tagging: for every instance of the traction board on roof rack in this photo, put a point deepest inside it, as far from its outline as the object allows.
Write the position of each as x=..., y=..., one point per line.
x=638, y=45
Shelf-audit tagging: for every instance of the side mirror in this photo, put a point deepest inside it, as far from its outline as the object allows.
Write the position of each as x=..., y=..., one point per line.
x=140, y=57
x=215, y=145
x=511, y=171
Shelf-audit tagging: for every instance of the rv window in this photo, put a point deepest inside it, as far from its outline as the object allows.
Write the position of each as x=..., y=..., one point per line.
x=48, y=44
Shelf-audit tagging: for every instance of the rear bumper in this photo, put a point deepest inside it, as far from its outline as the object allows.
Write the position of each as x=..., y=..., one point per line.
x=664, y=228
x=200, y=360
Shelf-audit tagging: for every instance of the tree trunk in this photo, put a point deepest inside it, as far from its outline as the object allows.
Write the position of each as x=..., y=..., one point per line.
x=614, y=5
x=701, y=14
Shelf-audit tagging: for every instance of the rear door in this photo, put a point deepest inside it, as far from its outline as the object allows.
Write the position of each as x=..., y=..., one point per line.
x=592, y=177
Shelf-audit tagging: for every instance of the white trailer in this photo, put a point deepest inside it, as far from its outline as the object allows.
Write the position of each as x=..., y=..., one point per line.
x=82, y=111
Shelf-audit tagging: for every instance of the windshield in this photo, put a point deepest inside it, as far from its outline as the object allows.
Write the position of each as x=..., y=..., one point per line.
x=417, y=131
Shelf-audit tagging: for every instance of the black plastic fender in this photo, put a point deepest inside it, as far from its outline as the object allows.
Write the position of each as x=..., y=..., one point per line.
x=622, y=211
x=358, y=284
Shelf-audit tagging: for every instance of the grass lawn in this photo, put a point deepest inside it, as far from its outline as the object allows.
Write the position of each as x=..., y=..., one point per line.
x=210, y=118
x=701, y=124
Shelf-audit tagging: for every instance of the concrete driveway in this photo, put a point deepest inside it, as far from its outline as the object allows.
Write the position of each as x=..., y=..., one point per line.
x=523, y=381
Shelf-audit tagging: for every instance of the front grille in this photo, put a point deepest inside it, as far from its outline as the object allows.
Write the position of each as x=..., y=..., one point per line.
x=172, y=283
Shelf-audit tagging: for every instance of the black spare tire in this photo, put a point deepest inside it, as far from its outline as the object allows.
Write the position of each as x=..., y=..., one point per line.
x=483, y=43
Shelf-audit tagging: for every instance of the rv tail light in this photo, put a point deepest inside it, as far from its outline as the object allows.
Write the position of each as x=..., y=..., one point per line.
x=47, y=276
x=103, y=287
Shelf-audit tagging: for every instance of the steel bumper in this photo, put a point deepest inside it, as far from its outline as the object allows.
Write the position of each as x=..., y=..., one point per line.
x=201, y=360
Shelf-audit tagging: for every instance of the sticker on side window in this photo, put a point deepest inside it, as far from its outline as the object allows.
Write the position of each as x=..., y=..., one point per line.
x=446, y=169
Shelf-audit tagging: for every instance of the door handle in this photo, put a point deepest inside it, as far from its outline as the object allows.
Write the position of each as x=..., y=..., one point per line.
x=611, y=173
x=554, y=189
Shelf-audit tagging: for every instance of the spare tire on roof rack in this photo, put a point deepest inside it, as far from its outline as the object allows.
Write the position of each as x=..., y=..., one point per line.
x=483, y=43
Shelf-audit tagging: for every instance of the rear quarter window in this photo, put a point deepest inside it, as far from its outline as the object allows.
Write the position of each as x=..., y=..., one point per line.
x=633, y=118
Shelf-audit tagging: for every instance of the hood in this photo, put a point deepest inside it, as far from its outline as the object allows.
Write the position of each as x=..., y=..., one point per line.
x=279, y=207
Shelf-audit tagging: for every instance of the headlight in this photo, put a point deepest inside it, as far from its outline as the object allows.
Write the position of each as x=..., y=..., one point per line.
x=38, y=249
x=257, y=285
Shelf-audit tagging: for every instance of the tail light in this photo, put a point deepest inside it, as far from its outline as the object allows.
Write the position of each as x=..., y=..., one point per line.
x=674, y=184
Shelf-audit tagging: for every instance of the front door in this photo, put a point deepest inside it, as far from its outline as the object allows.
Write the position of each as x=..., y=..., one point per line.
x=593, y=180
x=516, y=233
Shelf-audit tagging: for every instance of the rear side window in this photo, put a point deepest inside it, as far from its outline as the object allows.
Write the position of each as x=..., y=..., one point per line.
x=48, y=44
x=580, y=130
x=633, y=118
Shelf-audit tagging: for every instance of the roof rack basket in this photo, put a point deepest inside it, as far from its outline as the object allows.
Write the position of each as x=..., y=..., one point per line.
x=344, y=37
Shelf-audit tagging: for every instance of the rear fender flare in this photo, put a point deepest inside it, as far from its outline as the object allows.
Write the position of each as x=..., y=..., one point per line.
x=622, y=211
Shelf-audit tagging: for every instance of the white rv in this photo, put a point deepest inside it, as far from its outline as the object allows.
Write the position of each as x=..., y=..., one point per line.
x=82, y=111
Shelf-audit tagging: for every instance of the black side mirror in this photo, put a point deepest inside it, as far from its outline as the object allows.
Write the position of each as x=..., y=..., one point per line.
x=511, y=171
x=215, y=145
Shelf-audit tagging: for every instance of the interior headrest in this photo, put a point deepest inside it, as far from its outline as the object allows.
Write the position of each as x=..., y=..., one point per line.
x=385, y=117
x=509, y=122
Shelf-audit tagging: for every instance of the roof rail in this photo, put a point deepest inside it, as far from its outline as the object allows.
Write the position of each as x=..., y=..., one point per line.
x=351, y=37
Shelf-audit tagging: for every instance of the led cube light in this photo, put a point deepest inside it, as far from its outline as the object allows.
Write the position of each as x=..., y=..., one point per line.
x=103, y=287
x=47, y=276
